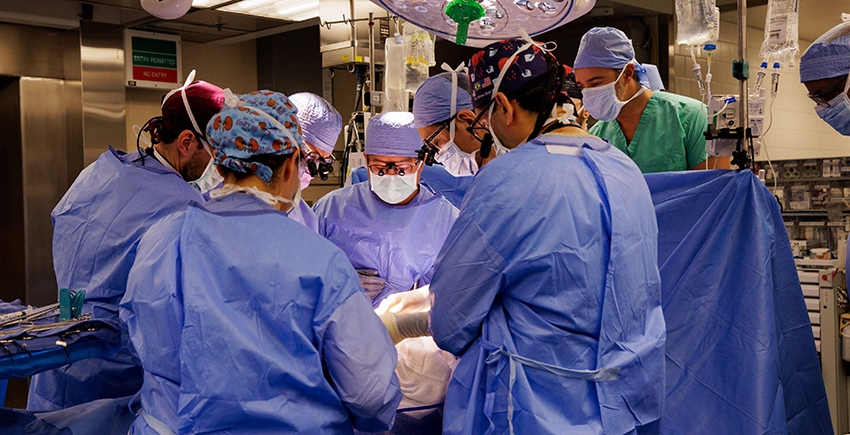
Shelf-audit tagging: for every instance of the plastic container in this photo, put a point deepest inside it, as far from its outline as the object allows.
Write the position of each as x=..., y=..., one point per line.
x=697, y=22
x=780, y=30
x=396, y=99
x=418, y=52
x=845, y=348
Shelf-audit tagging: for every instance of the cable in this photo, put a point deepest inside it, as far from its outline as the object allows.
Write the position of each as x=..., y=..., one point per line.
x=764, y=146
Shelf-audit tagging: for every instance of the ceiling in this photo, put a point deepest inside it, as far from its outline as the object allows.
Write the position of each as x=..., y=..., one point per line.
x=210, y=25
x=816, y=16
x=198, y=25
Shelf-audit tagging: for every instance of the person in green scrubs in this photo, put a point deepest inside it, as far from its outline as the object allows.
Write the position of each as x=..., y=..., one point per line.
x=658, y=130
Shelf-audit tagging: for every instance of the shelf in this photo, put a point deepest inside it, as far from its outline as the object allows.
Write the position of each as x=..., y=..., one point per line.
x=807, y=180
x=805, y=213
x=816, y=263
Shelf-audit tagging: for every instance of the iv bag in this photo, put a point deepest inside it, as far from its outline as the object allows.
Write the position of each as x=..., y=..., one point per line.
x=502, y=18
x=780, y=30
x=418, y=51
x=394, y=72
x=697, y=21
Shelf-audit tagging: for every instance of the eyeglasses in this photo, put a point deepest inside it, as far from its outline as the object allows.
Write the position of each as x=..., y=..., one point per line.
x=319, y=166
x=393, y=169
x=486, y=139
x=429, y=148
x=823, y=98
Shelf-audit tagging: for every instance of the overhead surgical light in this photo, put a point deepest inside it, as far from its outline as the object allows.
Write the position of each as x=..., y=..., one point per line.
x=502, y=19
x=167, y=9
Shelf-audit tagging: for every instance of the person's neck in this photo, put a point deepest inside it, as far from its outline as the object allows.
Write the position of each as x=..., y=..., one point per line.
x=572, y=130
x=254, y=181
x=629, y=116
x=169, y=154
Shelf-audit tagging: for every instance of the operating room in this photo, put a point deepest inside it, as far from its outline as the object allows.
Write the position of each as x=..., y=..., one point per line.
x=425, y=217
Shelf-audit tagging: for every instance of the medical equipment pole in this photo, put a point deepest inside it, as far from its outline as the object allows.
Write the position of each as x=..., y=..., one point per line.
x=372, y=86
x=743, y=105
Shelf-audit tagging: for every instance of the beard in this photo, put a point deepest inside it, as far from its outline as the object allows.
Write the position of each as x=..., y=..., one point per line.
x=620, y=89
x=196, y=166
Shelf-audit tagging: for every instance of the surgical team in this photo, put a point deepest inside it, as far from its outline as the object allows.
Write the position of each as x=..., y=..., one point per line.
x=510, y=288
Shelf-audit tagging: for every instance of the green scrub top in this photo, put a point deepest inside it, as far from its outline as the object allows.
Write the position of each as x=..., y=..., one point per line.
x=669, y=136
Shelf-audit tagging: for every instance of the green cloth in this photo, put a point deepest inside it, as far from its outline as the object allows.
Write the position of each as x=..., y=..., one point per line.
x=669, y=136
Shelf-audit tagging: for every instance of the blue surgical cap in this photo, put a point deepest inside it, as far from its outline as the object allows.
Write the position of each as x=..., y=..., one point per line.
x=828, y=56
x=320, y=122
x=392, y=134
x=433, y=101
x=604, y=47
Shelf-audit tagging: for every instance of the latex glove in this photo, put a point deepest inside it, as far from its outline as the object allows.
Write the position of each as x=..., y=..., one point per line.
x=372, y=284
x=413, y=301
x=401, y=326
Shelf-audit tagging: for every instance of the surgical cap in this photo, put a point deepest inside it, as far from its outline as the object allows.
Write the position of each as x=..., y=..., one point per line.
x=320, y=122
x=604, y=47
x=392, y=134
x=433, y=101
x=828, y=56
x=204, y=99
x=484, y=68
x=251, y=125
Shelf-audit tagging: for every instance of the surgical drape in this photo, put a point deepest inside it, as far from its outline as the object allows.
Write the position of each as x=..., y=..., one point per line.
x=740, y=357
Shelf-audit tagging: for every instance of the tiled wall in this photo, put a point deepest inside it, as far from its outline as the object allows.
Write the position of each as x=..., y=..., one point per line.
x=797, y=132
x=228, y=66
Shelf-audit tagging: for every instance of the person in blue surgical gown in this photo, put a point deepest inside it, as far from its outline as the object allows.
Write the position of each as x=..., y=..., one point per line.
x=245, y=321
x=97, y=226
x=390, y=227
x=321, y=125
x=547, y=286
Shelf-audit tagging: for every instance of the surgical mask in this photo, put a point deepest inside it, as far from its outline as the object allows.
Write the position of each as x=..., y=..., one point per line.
x=602, y=102
x=393, y=189
x=208, y=180
x=266, y=197
x=457, y=162
x=837, y=115
x=305, y=176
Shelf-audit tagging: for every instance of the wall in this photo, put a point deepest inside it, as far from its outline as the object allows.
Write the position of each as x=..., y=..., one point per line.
x=231, y=66
x=796, y=132
x=291, y=62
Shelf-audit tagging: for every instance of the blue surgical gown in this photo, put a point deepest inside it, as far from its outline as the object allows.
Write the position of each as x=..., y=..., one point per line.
x=96, y=230
x=305, y=215
x=400, y=242
x=436, y=177
x=553, y=258
x=247, y=322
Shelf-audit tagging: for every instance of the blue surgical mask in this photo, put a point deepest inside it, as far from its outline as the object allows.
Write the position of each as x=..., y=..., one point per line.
x=210, y=179
x=394, y=189
x=457, y=162
x=601, y=102
x=837, y=115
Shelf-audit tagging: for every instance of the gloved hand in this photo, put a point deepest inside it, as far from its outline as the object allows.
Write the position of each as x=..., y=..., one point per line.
x=401, y=326
x=406, y=302
x=372, y=284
